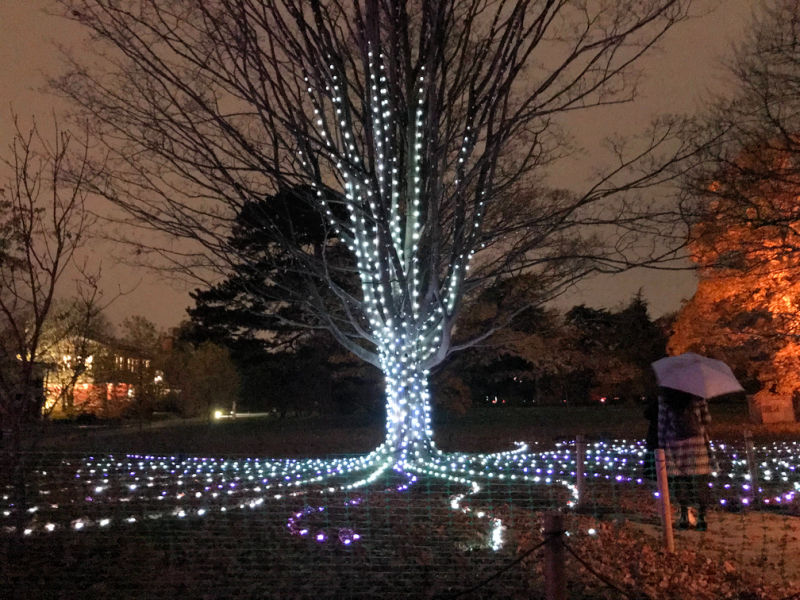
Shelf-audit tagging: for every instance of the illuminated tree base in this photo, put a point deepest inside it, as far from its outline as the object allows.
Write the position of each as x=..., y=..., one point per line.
x=458, y=468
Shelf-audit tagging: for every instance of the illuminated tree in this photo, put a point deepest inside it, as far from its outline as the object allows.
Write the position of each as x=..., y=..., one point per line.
x=746, y=240
x=423, y=131
x=745, y=309
x=751, y=172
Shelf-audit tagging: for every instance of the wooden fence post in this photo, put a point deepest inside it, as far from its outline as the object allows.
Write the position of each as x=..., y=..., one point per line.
x=555, y=581
x=580, y=469
x=663, y=497
x=752, y=468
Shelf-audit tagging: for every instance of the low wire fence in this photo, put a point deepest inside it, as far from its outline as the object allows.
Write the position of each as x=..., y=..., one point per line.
x=135, y=526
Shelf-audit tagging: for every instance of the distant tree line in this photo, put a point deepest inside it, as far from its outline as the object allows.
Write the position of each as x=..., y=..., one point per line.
x=539, y=356
x=582, y=356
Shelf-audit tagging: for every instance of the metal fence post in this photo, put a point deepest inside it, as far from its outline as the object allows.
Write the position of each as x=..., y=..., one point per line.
x=580, y=469
x=555, y=581
x=752, y=468
x=663, y=497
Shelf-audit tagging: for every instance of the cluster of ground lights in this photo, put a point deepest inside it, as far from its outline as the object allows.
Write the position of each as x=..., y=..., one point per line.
x=96, y=492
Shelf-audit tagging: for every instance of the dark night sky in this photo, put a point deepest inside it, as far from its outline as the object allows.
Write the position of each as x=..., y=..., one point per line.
x=678, y=77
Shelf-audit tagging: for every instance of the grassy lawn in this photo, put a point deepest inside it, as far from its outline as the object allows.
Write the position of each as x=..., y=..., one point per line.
x=481, y=429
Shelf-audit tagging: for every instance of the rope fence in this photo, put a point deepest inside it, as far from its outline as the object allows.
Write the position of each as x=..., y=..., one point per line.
x=135, y=526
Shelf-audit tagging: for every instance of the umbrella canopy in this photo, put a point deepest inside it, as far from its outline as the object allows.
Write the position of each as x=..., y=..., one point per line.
x=696, y=374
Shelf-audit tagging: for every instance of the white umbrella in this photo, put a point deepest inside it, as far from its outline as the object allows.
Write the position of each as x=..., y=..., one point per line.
x=695, y=374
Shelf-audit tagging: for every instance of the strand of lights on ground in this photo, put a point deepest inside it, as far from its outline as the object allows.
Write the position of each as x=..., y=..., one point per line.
x=197, y=487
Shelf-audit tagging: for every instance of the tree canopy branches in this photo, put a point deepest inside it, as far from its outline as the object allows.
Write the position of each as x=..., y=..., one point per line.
x=420, y=132
x=43, y=225
x=750, y=172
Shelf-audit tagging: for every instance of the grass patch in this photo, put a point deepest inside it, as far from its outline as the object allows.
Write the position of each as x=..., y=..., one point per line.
x=482, y=429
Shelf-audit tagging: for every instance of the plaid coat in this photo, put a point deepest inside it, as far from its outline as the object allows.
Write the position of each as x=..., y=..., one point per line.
x=690, y=455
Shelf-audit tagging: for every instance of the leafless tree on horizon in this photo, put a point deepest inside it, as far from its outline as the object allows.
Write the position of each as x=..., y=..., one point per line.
x=44, y=224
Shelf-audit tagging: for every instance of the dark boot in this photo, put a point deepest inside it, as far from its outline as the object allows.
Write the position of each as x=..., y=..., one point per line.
x=683, y=523
x=701, y=520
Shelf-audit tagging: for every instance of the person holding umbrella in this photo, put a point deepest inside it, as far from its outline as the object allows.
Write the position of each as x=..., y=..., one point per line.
x=686, y=382
x=683, y=421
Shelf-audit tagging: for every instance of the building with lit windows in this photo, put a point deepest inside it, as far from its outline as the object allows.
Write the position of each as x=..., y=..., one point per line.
x=104, y=378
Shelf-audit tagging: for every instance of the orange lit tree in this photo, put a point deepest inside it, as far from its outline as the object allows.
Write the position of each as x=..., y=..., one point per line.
x=745, y=245
x=745, y=238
